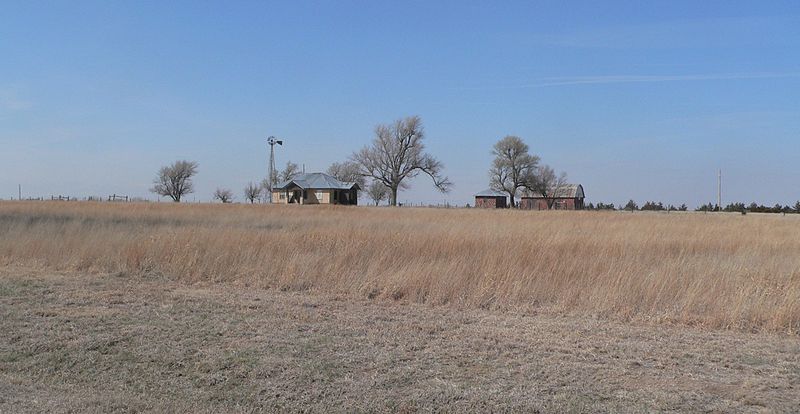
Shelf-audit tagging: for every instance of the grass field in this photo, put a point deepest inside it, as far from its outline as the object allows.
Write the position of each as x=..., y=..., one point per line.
x=231, y=308
x=712, y=271
x=74, y=342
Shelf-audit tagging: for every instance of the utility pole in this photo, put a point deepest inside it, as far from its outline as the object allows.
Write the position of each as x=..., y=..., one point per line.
x=19, y=189
x=271, y=174
x=719, y=190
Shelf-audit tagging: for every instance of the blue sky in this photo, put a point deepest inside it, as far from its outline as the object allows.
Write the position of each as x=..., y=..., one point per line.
x=642, y=100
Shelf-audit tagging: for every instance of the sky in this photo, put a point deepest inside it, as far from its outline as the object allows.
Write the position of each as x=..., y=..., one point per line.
x=633, y=100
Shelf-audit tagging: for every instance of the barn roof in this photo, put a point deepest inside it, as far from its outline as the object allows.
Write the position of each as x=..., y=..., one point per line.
x=490, y=193
x=317, y=181
x=567, y=191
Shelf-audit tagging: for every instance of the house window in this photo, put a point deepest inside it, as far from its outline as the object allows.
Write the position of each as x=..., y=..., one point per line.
x=318, y=194
x=282, y=196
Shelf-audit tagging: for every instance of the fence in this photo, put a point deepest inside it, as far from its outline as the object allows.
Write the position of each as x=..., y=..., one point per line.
x=112, y=198
x=118, y=198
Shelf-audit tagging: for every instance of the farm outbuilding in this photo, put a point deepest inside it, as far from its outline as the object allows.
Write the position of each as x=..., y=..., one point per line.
x=491, y=199
x=315, y=188
x=569, y=197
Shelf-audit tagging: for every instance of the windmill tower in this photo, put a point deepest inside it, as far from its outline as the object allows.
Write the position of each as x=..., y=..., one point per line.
x=271, y=173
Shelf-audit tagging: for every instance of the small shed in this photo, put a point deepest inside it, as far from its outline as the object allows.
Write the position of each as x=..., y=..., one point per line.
x=491, y=199
x=568, y=197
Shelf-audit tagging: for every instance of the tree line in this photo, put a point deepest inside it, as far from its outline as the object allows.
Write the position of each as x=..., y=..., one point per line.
x=752, y=208
x=397, y=154
x=709, y=207
x=384, y=167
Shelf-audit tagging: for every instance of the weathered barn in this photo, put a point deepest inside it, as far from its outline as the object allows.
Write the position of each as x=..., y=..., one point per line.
x=491, y=199
x=568, y=197
x=315, y=188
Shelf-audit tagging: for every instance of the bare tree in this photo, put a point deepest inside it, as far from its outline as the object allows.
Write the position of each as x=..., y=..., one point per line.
x=175, y=181
x=397, y=153
x=252, y=192
x=224, y=195
x=377, y=192
x=348, y=171
x=547, y=183
x=513, y=167
x=290, y=171
x=265, y=194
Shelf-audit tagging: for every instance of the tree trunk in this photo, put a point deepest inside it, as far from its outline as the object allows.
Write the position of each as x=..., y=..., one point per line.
x=511, y=197
x=393, y=201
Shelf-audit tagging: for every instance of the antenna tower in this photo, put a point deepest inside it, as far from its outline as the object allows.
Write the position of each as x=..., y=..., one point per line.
x=719, y=190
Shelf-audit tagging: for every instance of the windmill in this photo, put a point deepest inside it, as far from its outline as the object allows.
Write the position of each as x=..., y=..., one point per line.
x=271, y=173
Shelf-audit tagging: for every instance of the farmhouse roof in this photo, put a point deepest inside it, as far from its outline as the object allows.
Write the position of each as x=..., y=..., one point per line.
x=567, y=191
x=317, y=181
x=490, y=193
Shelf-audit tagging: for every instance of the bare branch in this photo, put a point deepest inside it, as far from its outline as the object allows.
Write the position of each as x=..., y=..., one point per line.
x=252, y=192
x=289, y=172
x=512, y=167
x=224, y=195
x=377, y=192
x=175, y=180
x=547, y=183
x=397, y=153
x=349, y=172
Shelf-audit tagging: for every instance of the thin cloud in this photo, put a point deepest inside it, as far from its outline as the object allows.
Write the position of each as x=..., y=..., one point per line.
x=673, y=34
x=612, y=79
x=589, y=80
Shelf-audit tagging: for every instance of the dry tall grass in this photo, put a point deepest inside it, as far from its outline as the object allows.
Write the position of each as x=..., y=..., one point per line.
x=720, y=271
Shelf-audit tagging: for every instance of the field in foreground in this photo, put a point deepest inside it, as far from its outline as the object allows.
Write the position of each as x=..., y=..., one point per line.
x=117, y=342
x=715, y=271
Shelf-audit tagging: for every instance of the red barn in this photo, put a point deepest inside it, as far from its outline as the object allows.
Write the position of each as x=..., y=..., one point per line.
x=569, y=197
x=491, y=199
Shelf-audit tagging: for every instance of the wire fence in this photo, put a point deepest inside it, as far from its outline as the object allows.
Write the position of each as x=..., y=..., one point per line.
x=113, y=198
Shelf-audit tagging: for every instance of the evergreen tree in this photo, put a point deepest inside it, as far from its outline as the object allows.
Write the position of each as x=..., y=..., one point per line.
x=735, y=207
x=631, y=206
